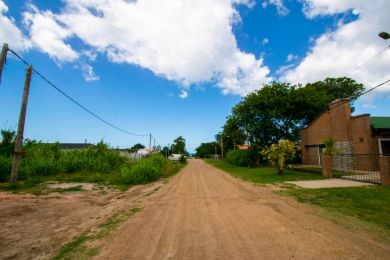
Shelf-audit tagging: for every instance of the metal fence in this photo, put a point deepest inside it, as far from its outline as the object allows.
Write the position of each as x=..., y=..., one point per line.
x=359, y=167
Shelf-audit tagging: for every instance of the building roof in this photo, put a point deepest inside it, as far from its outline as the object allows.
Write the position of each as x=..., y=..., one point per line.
x=74, y=145
x=380, y=122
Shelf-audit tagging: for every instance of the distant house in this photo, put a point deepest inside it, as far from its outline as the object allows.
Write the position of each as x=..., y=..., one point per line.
x=361, y=134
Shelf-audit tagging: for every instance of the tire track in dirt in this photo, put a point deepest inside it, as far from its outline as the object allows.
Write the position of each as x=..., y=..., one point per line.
x=203, y=213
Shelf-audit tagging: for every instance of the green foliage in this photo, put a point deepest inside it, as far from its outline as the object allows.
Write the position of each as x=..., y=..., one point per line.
x=237, y=157
x=5, y=168
x=137, y=147
x=206, y=150
x=179, y=146
x=262, y=174
x=232, y=134
x=329, y=147
x=7, y=137
x=280, y=110
x=280, y=154
x=144, y=171
x=254, y=155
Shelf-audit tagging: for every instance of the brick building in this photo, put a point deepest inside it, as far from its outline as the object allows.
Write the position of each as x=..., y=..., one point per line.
x=361, y=134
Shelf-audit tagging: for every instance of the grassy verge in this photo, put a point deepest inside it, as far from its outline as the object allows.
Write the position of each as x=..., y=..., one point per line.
x=171, y=168
x=79, y=249
x=263, y=174
x=365, y=208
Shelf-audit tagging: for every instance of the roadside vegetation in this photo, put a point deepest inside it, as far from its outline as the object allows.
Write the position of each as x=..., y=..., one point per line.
x=44, y=162
x=262, y=175
x=359, y=207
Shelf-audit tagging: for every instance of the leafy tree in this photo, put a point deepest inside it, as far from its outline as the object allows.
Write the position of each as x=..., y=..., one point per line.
x=179, y=146
x=137, y=147
x=205, y=150
x=279, y=110
x=232, y=134
x=165, y=151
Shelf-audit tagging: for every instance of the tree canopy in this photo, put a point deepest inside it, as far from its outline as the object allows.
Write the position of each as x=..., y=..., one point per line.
x=137, y=147
x=279, y=110
x=179, y=146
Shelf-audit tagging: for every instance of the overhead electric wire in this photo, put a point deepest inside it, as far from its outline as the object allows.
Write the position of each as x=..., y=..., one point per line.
x=75, y=101
x=361, y=94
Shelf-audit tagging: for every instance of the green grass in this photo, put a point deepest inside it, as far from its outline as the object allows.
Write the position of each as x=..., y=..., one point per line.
x=262, y=174
x=78, y=248
x=369, y=205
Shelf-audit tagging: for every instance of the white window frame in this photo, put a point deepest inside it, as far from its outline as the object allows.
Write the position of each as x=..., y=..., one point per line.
x=380, y=144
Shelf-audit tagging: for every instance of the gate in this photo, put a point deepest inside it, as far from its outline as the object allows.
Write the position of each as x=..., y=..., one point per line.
x=357, y=167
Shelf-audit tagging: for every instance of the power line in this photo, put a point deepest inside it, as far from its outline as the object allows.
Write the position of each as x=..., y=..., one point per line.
x=358, y=67
x=74, y=101
x=361, y=94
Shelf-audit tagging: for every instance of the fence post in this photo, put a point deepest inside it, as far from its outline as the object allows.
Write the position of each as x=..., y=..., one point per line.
x=327, y=165
x=384, y=166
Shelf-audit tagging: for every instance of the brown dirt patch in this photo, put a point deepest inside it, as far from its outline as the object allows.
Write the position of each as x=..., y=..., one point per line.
x=36, y=227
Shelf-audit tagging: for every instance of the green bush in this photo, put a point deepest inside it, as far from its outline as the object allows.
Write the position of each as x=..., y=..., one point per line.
x=254, y=156
x=5, y=168
x=145, y=170
x=237, y=157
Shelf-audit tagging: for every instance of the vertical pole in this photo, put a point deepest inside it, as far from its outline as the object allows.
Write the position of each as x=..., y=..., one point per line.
x=22, y=118
x=150, y=142
x=3, y=57
x=154, y=143
x=222, y=147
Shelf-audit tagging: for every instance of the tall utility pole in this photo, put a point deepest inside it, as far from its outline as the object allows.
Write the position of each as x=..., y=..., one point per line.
x=19, y=138
x=3, y=57
x=150, y=142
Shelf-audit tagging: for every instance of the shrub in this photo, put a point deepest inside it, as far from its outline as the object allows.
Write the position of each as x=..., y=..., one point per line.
x=142, y=171
x=237, y=157
x=279, y=154
x=254, y=156
x=5, y=168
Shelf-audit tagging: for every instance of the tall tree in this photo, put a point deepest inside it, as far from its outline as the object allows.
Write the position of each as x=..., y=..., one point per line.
x=179, y=146
x=137, y=147
x=280, y=110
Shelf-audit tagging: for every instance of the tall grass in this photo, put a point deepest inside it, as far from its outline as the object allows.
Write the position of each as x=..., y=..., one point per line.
x=144, y=171
x=44, y=161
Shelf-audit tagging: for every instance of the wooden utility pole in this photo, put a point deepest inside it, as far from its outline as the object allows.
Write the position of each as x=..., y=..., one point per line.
x=19, y=138
x=3, y=57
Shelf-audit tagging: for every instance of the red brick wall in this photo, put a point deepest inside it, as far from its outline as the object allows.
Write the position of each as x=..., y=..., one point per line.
x=338, y=124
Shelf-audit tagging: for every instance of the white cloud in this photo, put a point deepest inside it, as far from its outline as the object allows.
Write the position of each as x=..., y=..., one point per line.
x=9, y=32
x=291, y=57
x=265, y=41
x=183, y=94
x=187, y=41
x=280, y=7
x=89, y=73
x=48, y=35
x=348, y=50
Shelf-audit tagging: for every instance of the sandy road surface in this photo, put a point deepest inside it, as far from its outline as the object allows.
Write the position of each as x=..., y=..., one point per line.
x=203, y=213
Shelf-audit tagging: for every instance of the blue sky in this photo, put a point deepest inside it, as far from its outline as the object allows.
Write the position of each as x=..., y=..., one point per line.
x=180, y=70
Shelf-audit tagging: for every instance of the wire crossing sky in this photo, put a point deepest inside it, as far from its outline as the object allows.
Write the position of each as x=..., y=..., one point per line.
x=176, y=69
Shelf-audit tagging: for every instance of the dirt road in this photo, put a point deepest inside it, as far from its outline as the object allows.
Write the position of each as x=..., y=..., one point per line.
x=203, y=213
